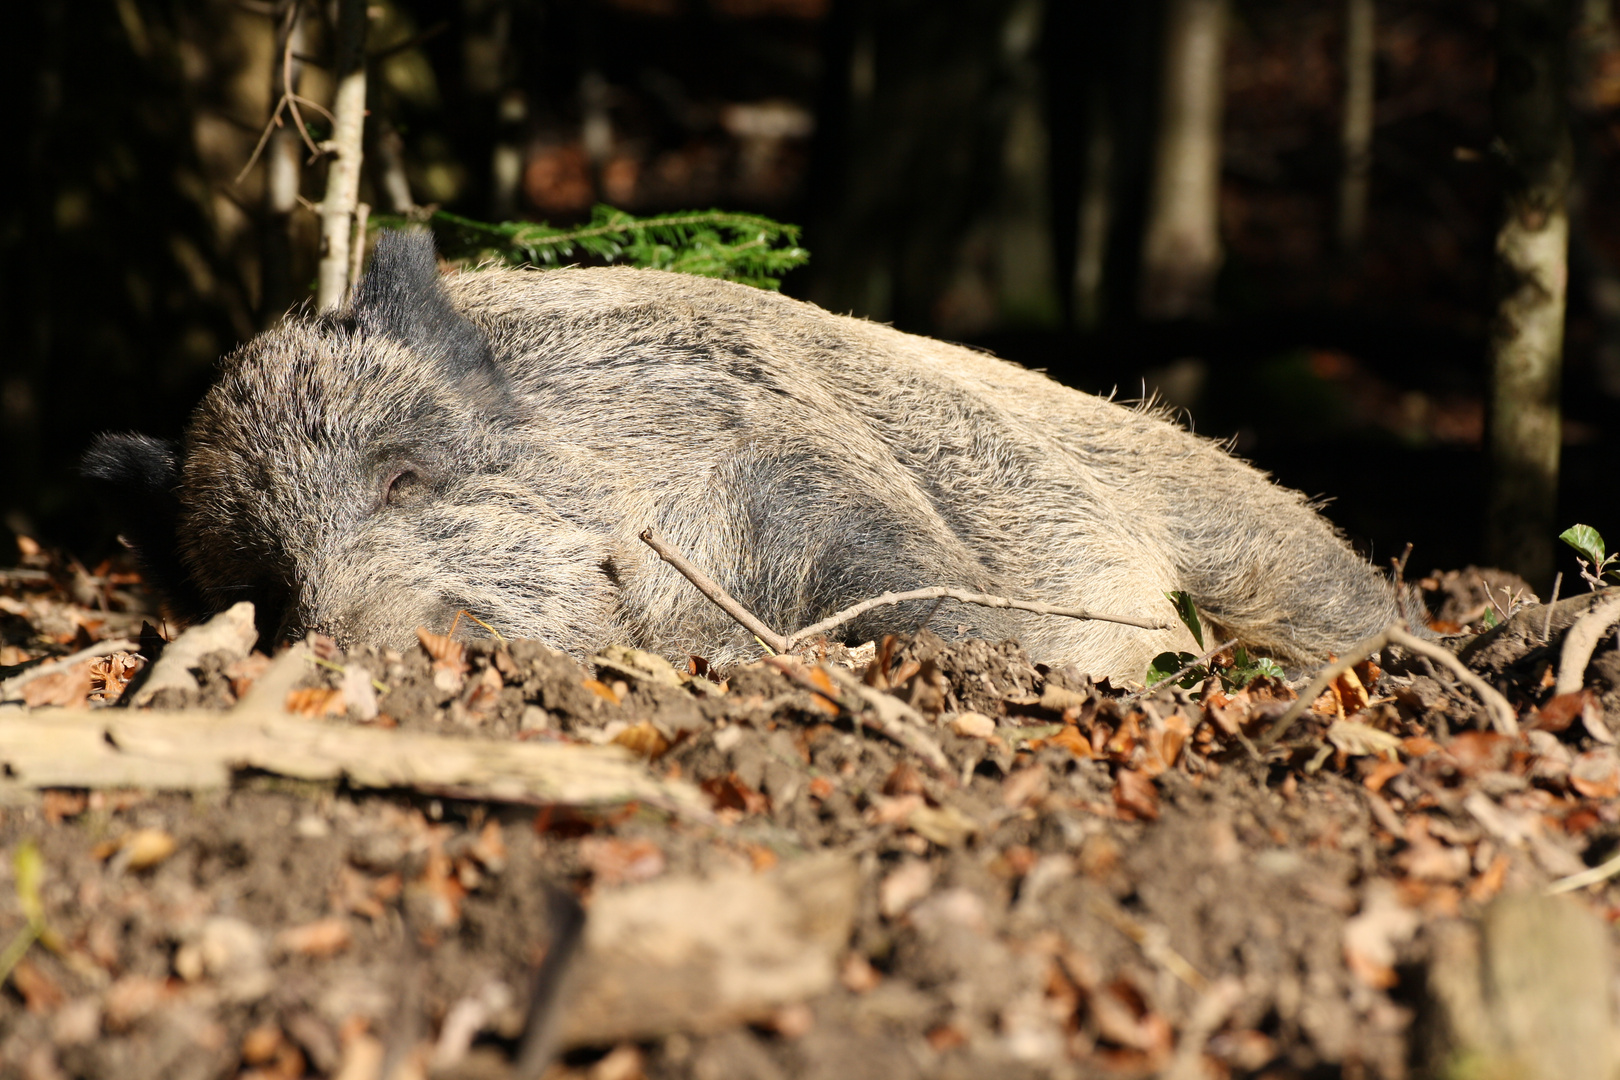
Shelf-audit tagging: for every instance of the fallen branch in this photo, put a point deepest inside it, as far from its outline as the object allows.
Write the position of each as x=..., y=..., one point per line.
x=198, y=750
x=945, y=592
x=717, y=595
x=1581, y=641
x=1501, y=712
x=784, y=644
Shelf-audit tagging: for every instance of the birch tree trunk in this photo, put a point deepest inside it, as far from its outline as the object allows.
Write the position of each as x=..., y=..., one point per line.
x=283, y=157
x=1181, y=251
x=345, y=150
x=1532, y=244
x=1355, y=137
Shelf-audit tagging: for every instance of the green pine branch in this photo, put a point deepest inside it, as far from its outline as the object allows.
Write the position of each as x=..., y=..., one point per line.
x=748, y=248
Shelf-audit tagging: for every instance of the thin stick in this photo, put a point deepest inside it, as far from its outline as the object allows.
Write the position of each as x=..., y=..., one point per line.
x=1188, y=666
x=717, y=595
x=1399, y=565
x=945, y=592
x=1580, y=643
x=100, y=648
x=1546, y=626
x=1358, y=652
x=1501, y=712
x=1601, y=872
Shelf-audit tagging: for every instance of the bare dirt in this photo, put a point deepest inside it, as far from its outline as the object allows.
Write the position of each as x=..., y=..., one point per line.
x=1091, y=885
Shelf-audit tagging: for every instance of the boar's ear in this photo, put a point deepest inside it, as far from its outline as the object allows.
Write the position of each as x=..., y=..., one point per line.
x=139, y=475
x=401, y=296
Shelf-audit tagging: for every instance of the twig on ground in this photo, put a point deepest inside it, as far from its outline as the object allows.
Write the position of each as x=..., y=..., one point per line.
x=100, y=648
x=1546, y=626
x=1170, y=680
x=1154, y=943
x=1601, y=872
x=717, y=595
x=945, y=592
x=1501, y=712
x=1580, y=643
x=1399, y=565
x=778, y=643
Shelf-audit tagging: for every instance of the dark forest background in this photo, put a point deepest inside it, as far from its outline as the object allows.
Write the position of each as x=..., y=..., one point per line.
x=976, y=170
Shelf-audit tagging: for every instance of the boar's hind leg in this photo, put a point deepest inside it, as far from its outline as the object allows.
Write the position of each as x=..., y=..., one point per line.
x=801, y=532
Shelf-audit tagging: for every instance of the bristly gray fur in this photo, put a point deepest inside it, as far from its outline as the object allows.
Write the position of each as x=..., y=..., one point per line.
x=494, y=441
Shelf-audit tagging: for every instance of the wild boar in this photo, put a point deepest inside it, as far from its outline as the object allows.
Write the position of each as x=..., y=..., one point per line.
x=494, y=441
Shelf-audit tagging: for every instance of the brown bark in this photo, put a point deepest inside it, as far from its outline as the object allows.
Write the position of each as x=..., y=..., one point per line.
x=1526, y=348
x=1182, y=250
x=345, y=150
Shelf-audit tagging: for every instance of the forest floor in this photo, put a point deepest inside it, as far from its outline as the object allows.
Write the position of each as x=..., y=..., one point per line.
x=915, y=859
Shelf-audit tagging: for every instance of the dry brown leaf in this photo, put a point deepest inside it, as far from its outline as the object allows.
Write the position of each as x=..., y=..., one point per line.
x=858, y=975
x=1135, y=794
x=1353, y=695
x=1561, y=711
x=485, y=692
x=261, y=1044
x=903, y=779
x=1596, y=774
x=1416, y=746
x=1381, y=773
x=1480, y=751
x=730, y=793
x=887, y=811
x=643, y=739
x=490, y=847
x=110, y=674
x=69, y=688
x=322, y=938
x=1362, y=740
x=1071, y=739
x=904, y=886
x=615, y=861
x=943, y=825
x=315, y=702
x=145, y=848
x=1024, y=786
x=57, y=804
x=601, y=690
x=245, y=672
x=973, y=725
x=40, y=992
x=445, y=650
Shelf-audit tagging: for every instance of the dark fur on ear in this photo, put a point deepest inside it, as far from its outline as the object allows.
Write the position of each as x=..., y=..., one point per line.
x=139, y=475
x=401, y=296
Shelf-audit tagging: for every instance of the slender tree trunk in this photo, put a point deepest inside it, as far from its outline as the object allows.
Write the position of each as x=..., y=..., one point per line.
x=1532, y=128
x=1096, y=207
x=345, y=150
x=283, y=157
x=1355, y=138
x=1182, y=251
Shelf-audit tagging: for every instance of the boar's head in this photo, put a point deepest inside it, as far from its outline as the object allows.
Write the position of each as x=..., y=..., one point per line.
x=360, y=474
